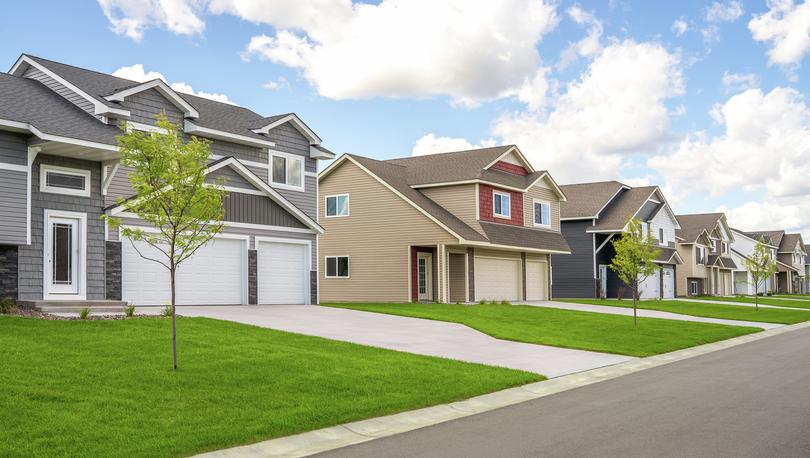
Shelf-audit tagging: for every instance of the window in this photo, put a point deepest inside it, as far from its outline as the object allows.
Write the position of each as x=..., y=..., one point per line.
x=337, y=205
x=63, y=180
x=501, y=204
x=337, y=267
x=542, y=213
x=714, y=245
x=725, y=248
x=661, y=236
x=287, y=171
x=701, y=254
x=694, y=286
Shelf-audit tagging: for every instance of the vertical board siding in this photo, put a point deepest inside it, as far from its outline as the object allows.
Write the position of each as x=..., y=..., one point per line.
x=59, y=88
x=376, y=237
x=253, y=209
x=573, y=273
x=31, y=256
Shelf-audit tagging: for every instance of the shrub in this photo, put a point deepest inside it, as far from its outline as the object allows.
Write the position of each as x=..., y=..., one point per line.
x=7, y=305
x=129, y=311
x=167, y=311
x=84, y=313
x=482, y=301
x=505, y=302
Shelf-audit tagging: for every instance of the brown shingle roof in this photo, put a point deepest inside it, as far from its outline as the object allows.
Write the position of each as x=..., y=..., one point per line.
x=665, y=254
x=504, y=234
x=626, y=205
x=774, y=238
x=585, y=199
x=693, y=225
x=789, y=242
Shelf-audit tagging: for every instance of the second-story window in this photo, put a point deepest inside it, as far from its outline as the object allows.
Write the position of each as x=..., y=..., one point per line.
x=661, y=236
x=714, y=246
x=542, y=213
x=287, y=171
x=501, y=204
x=701, y=254
x=337, y=205
x=725, y=247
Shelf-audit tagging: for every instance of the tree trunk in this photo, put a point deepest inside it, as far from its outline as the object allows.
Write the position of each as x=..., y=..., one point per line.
x=174, y=322
x=756, y=298
x=635, y=310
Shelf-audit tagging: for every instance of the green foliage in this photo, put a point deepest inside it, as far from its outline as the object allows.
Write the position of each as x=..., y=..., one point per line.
x=635, y=253
x=7, y=305
x=129, y=311
x=167, y=311
x=505, y=302
x=760, y=264
x=482, y=302
x=84, y=313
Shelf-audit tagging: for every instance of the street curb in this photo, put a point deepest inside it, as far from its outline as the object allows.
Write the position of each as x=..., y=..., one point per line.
x=339, y=436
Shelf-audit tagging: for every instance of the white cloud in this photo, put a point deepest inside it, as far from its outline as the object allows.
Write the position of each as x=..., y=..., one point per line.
x=724, y=12
x=470, y=51
x=136, y=72
x=133, y=17
x=588, y=46
x=616, y=109
x=738, y=82
x=786, y=26
x=277, y=84
x=680, y=26
x=431, y=144
x=771, y=214
x=766, y=145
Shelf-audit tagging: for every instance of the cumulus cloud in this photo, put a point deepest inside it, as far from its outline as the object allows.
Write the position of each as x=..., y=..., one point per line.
x=766, y=145
x=771, y=214
x=724, y=11
x=738, y=82
x=431, y=144
x=132, y=17
x=588, y=46
x=277, y=84
x=137, y=72
x=614, y=110
x=786, y=27
x=680, y=26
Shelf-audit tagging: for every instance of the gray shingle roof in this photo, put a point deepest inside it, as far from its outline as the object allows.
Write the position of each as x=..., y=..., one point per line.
x=774, y=238
x=694, y=225
x=504, y=234
x=665, y=254
x=625, y=206
x=585, y=199
x=29, y=101
x=789, y=242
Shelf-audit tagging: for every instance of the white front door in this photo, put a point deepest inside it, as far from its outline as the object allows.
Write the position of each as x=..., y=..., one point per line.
x=603, y=280
x=63, y=256
x=424, y=276
x=669, y=282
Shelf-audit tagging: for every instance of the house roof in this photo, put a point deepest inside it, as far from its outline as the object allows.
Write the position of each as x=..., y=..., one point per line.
x=586, y=199
x=789, y=242
x=212, y=114
x=773, y=238
x=722, y=261
x=784, y=242
x=627, y=205
x=30, y=102
x=395, y=175
x=665, y=255
x=692, y=226
x=782, y=267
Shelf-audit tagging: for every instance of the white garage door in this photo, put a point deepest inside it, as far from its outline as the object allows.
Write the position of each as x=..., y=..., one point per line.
x=214, y=275
x=283, y=270
x=536, y=279
x=497, y=279
x=651, y=286
x=669, y=283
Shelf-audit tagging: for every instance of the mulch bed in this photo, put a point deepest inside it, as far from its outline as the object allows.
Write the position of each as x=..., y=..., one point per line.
x=46, y=316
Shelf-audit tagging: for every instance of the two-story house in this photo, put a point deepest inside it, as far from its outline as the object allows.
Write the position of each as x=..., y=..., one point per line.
x=790, y=260
x=452, y=227
x=60, y=172
x=596, y=214
x=742, y=248
x=704, y=242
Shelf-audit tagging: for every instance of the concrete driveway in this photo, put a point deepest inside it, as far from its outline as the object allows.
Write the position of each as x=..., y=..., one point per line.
x=413, y=335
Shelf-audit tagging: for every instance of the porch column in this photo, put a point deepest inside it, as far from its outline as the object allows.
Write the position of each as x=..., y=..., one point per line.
x=441, y=274
x=523, y=273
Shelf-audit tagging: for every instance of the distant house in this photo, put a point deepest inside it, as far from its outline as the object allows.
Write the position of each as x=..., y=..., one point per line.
x=453, y=227
x=741, y=248
x=790, y=260
x=704, y=242
x=594, y=215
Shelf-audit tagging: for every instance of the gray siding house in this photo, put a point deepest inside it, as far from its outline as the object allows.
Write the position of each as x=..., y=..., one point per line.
x=593, y=216
x=60, y=172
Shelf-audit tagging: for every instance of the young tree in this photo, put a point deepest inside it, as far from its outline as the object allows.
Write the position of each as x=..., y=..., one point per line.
x=760, y=265
x=633, y=263
x=171, y=195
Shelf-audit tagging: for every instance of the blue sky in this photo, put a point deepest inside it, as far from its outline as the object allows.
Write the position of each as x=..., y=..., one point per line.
x=643, y=99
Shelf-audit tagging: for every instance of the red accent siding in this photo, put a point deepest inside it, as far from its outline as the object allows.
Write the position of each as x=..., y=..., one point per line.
x=485, y=206
x=510, y=168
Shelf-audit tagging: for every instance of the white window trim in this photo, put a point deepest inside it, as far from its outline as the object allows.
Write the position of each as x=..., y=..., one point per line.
x=287, y=157
x=326, y=206
x=326, y=268
x=534, y=213
x=43, y=187
x=502, y=194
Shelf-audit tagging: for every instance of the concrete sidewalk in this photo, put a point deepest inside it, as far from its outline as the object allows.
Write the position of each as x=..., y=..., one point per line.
x=644, y=313
x=744, y=304
x=412, y=335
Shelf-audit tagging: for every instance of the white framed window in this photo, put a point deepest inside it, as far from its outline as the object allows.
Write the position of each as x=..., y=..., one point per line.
x=287, y=171
x=724, y=245
x=337, y=205
x=337, y=267
x=714, y=245
x=542, y=213
x=701, y=254
x=661, y=236
x=502, y=204
x=63, y=180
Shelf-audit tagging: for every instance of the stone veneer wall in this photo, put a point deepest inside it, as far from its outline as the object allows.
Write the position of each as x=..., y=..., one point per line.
x=253, y=277
x=8, y=271
x=112, y=267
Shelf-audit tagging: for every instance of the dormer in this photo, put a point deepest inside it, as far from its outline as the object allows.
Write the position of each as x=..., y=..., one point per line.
x=512, y=161
x=316, y=151
x=160, y=87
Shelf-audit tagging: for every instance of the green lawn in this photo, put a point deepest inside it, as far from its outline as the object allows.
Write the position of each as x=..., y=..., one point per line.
x=724, y=311
x=565, y=328
x=106, y=388
x=795, y=296
x=762, y=300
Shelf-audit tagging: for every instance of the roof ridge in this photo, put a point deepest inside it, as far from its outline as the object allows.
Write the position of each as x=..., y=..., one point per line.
x=596, y=182
x=448, y=152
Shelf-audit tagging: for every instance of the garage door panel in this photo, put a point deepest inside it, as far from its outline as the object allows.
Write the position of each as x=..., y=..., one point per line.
x=651, y=286
x=213, y=275
x=497, y=278
x=283, y=273
x=536, y=278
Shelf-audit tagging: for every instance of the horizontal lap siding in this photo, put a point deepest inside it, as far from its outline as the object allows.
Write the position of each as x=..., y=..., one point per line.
x=306, y=201
x=289, y=140
x=144, y=105
x=60, y=89
x=544, y=194
x=459, y=200
x=227, y=176
x=13, y=148
x=376, y=238
x=13, y=185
